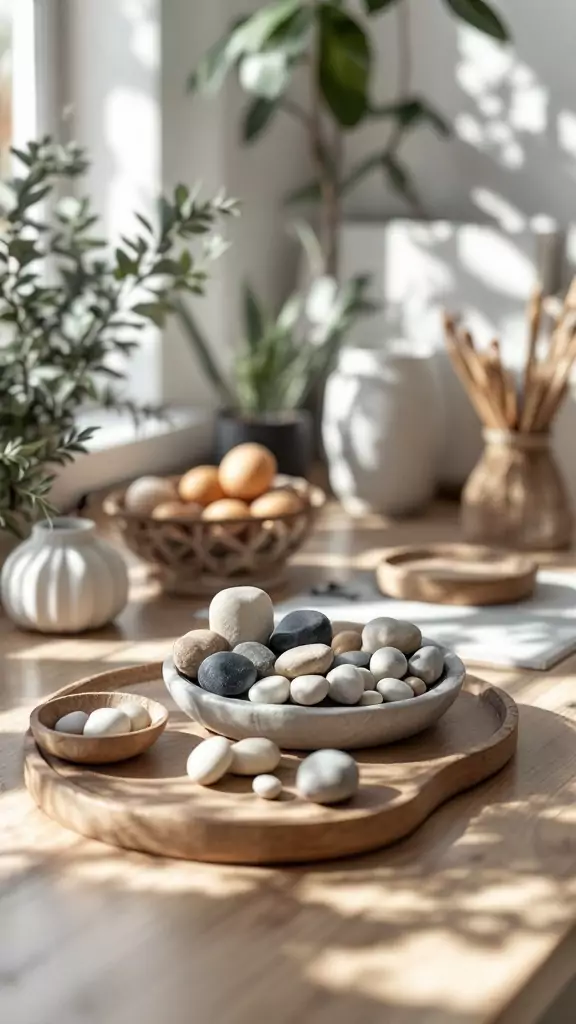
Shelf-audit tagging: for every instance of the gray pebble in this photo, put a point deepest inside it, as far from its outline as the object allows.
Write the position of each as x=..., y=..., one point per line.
x=387, y=632
x=388, y=663
x=427, y=664
x=359, y=658
x=327, y=777
x=299, y=628
x=261, y=657
x=254, y=755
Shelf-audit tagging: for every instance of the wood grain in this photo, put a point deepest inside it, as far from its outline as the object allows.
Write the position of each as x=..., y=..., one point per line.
x=456, y=574
x=468, y=921
x=149, y=804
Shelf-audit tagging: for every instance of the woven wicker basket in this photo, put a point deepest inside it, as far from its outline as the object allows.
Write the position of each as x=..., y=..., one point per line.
x=202, y=557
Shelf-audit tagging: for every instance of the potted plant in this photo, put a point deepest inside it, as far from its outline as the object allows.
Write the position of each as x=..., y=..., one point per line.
x=70, y=313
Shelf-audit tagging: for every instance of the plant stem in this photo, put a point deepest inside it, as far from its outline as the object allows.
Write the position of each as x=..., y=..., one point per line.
x=322, y=157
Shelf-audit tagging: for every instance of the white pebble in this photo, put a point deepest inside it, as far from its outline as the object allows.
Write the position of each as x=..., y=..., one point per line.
x=346, y=684
x=73, y=722
x=138, y=715
x=371, y=697
x=106, y=722
x=210, y=760
x=427, y=664
x=388, y=663
x=418, y=686
x=254, y=755
x=394, y=689
x=369, y=680
x=308, y=690
x=270, y=690
x=268, y=787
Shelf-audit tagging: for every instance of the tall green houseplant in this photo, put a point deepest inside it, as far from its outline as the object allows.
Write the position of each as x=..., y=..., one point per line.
x=324, y=41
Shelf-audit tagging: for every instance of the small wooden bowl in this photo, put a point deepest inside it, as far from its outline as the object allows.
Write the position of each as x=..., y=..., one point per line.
x=204, y=556
x=93, y=749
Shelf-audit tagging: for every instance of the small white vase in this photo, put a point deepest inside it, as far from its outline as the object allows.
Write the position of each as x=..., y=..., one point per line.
x=381, y=430
x=64, y=579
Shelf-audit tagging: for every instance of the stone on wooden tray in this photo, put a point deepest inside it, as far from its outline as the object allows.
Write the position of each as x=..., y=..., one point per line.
x=418, y=686
x=271, y=690
x=254, y=755
x=327, y=777
x=190, y=650
x=387, y=632
x=261, y=657
x=359, y=658
x=388, y=663
x=394, y=689
x=310, y=659
x=346, y=684
x=301, y=628
x=347, y=640
x=227, y=674
x=370, y=697
x=309, y=690
x=210, y=760
x=242, y=613
x=267, y=787
x=73, y=722
x=427, y=664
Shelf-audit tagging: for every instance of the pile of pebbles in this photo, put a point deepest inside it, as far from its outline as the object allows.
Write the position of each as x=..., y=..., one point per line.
x=243, y=655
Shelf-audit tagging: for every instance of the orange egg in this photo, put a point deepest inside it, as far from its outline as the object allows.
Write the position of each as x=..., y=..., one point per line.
x=247, y=471
x=200, y=485
x=177, y=510
x=276, y=503
x=227, y=508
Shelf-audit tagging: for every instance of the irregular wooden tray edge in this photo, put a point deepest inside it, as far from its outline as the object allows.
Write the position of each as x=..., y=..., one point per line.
x=108, y=821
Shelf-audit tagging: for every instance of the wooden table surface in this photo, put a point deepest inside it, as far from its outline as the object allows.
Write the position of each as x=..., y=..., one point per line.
x=469, y=921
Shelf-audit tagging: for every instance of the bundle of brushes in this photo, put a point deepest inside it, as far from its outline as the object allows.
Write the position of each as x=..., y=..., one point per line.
x=530, y=405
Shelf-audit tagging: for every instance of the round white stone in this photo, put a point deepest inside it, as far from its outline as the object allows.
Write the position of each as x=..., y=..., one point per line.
x=346, y=684
x=427, y=664
x=371, y=697
x=308, y=690
x=327, y=777
x=394, y=689
x=271, y=690
x=138, y=715
x=388, y=663
x=369, y=680
x=240, y=614
x=210, y=760
x=106, y=722
x=268, y=787
x=254, y=756
x=418, y=686
x=73, y=722
x=387, y=632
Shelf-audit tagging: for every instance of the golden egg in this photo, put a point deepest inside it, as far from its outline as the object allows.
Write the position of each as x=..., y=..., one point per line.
x=200, y=485
x=145, y=493
x=276, y=503
x=177, y=510
x=227, y=508
x=247, y=471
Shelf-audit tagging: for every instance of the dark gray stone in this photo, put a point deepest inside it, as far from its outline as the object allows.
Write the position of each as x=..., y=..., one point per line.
x=227, y=674
x=261, y=657
x=299, y=628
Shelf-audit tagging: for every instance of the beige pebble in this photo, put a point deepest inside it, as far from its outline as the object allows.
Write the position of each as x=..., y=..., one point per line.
x=371, y=697
x=346, y=641
x=193, y=648
x=254, y=755
x=418, y=686
x=310, y=659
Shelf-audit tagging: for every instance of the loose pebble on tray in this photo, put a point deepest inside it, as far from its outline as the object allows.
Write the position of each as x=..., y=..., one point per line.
x=254, y=755
x=268, y=787
x=327, y=777
x=210, y=760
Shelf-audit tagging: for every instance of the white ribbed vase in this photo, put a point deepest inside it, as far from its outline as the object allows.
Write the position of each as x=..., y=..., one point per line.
x=64, y=579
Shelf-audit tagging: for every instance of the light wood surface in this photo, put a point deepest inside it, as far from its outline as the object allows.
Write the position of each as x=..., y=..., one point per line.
x=456, y=574
x=468, y=921
x=150, y=804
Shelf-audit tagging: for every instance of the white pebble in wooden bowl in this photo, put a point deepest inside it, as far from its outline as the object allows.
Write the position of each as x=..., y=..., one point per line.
x=73, y=722
x=267, y=787
x=209, y=761
x=107, y=722
x=254, y=756
x=138, y=715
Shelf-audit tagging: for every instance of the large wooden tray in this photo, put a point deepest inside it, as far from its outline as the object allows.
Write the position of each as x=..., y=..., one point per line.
x=149, y=803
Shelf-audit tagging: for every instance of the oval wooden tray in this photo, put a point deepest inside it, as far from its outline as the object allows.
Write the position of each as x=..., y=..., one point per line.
x=460, y=574
x=149, y=803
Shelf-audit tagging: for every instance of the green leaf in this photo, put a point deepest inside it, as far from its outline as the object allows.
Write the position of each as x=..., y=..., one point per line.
x=254, y=34
x=374, y=6
x=125, y=265
x=481, y=16
x=208, y=77
x=181, y=193
x=253, y=318
x=292, y=36
x=265, y=74
x=145, y=223
x=412, y=112
x=399, y=178
x=154, y=311
x=344, y=65
x=310, y=193
x=257, y=116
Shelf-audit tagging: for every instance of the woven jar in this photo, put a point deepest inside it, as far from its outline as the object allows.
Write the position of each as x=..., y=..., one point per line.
x=515, y=496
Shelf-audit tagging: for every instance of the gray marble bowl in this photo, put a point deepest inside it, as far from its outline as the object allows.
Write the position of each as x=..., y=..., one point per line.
x=294, y=727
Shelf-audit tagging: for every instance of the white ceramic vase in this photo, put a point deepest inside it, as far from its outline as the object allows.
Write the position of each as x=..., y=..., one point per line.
x=381, y=430
x=64, y=579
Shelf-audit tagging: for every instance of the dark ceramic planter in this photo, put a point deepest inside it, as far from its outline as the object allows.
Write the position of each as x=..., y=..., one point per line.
x=289, y=436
